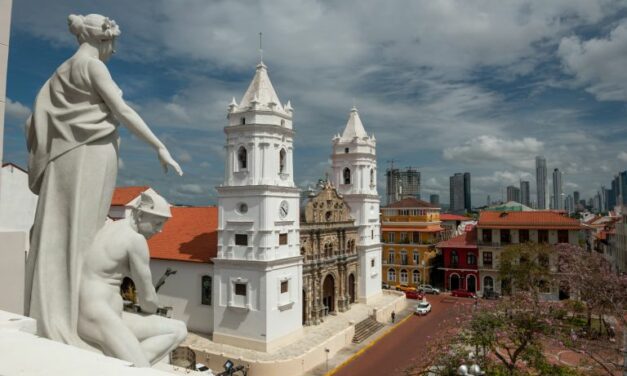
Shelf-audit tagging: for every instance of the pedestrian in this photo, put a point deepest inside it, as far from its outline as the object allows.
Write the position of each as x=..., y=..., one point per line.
x=393, y=316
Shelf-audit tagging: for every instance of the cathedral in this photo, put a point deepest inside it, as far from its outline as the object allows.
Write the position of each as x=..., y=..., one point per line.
x=266, y=264
x=276, y=268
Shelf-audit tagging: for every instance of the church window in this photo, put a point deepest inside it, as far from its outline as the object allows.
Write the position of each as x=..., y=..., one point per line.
x=205, y=297
x=347, y=175
x=242, y=158
x=328, y=216
x=240, y=289
x=243, y=120
x=282, y=161
x=284, y=286
x=372, y=263
x=302, y=251
x=241, y=239
x=282, y=239
x=372, y=176
x=346, y=150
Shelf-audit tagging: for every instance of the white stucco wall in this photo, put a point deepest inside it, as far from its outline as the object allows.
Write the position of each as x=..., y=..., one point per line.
x=13, y=247
x=17, y=202
x=182, y=292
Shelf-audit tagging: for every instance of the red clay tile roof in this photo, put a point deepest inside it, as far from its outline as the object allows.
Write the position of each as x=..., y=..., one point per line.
x=453, y=217
x=190, y=235
x=124, y=195
x=527, y=220
x=411, y=202
x=465, y=240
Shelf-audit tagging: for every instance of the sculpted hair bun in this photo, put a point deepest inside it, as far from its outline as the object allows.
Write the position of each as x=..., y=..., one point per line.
x=75, y=23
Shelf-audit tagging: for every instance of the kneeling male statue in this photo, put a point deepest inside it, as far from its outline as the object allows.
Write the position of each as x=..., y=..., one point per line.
x=120, y=249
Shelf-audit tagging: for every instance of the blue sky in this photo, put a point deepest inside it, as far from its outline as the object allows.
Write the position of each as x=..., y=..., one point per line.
x=446, y=86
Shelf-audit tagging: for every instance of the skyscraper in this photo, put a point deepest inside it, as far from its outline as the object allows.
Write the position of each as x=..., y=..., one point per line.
x=576, y=199
x=525, y=197
x=541, y=181
x=434, y=199
x=457, y=192
x=558, y=201
x=513, y=194
x=402, y=184
x=467, y=204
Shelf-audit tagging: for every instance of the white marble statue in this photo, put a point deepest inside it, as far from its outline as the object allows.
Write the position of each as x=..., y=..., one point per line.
x=73, y=142
x=120, y=250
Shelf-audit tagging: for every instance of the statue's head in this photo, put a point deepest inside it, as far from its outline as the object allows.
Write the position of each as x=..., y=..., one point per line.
x=151, y=213
x=96, y=30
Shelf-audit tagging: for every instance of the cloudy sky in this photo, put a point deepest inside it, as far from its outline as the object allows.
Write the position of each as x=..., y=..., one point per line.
x=445, y=86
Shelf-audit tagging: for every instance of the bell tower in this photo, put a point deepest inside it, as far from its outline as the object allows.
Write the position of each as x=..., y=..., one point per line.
x=354, y=166
x=258, y=269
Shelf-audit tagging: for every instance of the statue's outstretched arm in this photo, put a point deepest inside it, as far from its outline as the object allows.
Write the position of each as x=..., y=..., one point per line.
x=139, y=259
x=110, y=93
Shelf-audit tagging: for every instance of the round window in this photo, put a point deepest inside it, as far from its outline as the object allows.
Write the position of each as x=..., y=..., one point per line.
x=242, y=208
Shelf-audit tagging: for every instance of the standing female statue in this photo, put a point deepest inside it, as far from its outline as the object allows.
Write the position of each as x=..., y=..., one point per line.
x=73, y=142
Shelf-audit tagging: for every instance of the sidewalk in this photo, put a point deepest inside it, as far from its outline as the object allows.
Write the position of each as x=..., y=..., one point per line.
x=353, y=350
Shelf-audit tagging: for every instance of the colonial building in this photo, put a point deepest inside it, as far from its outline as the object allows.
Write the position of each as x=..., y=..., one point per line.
x=498, y=229
x=410, y=228
x=460, y=261
x=328, y=237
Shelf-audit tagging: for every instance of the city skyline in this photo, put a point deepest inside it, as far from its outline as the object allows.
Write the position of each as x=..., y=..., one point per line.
x=546, y=72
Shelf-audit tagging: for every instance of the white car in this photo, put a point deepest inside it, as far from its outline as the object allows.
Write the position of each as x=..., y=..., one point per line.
x=422, y=308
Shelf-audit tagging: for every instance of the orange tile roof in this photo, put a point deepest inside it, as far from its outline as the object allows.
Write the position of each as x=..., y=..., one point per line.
x=528, y=219
x=411, y=202
x=453, y=217
x=435, y=228
x=190, y=235
x=465, y=240
x=124, y=195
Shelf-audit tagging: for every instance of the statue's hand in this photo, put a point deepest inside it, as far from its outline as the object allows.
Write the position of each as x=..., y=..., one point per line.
x=166, y=160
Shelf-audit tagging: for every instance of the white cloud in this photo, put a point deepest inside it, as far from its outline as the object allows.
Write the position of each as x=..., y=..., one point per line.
x=622, y=156
x=184, y=156
x=520, y=153
x=16, y=111
x=598, y=63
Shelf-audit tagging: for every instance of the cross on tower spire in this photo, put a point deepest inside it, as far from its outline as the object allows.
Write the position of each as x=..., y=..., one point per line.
x=260, y=47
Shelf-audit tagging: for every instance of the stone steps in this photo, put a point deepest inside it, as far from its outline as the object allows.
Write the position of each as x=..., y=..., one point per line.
x=365, y=329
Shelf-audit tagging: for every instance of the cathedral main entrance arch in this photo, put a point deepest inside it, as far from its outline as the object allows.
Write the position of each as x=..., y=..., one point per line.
x=328, y=294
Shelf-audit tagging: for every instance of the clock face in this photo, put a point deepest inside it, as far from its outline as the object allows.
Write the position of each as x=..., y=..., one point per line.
x=283, y=209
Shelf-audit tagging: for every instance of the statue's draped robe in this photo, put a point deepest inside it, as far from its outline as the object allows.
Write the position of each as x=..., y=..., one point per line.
x=73, y=160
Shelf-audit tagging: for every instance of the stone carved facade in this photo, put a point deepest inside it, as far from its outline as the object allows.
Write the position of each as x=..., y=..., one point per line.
x=327, y=237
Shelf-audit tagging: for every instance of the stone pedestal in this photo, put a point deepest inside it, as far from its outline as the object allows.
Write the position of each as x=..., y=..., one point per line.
x=12, y=270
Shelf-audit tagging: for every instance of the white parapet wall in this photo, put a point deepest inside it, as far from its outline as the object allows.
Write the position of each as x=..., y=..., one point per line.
x=13, y=247
x=383, y=314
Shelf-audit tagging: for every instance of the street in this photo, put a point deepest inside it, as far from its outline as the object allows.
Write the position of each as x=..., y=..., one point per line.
x=395, y=352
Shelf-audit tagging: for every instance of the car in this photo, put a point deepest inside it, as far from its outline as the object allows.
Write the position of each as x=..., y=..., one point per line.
x=428, y=289
x=422, y=308
x=491, y=294
x=385, y=286
x=463, y=293
x=414, y=295
x=404, y=288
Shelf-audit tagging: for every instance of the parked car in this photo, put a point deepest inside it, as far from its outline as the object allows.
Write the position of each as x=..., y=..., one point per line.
x=414, y=295
x=422, y=308
x=463, y=293
x=405, y=288
x=385, y=286
x=428, y=289
x=491, y=294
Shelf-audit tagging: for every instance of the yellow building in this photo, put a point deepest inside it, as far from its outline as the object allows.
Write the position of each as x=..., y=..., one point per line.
x=410, y=229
